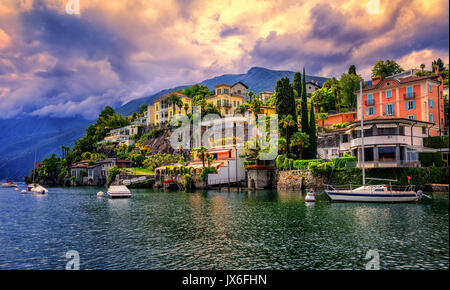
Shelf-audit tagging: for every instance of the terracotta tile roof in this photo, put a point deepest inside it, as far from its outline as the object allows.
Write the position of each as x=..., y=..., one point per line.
x=400, y=81
x=172, y=93
x=222, y=85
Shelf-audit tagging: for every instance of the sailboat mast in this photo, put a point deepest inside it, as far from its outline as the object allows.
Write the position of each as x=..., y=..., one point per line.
x=34, y=164
x=362, y=133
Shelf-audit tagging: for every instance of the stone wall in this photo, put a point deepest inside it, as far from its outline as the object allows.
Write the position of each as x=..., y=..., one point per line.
x=259, y=179
x=298, y=180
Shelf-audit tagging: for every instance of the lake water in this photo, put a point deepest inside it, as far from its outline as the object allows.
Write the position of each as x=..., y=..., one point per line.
x=217, y=230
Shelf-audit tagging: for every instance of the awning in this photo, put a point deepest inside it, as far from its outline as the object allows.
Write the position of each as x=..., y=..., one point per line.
x=386, y=125
x=219, y=151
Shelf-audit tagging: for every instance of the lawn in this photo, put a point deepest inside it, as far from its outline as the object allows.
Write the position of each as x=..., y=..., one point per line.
x=138, y=171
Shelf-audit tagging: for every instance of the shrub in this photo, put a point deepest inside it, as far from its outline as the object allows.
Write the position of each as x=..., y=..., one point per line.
x=341, y=162
x=430, y=159
x=318, y=169
x=112, y=172
x=279, y=162
x=188, y=181
x=205, y=171
x=436, y=142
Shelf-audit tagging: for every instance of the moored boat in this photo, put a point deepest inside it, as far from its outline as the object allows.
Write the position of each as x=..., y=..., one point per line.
x=9, y=183
x=39, y=189
x=373, y=193
x=119, y=191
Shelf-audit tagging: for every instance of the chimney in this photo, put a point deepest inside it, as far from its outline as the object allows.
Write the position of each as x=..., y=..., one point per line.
x=376, y=80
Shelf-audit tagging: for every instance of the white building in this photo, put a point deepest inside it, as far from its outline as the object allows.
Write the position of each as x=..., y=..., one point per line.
x=388, y=142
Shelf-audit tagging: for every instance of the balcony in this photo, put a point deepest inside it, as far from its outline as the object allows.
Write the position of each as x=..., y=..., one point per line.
x=369, y=102
x=224, y=105
x=407, y=96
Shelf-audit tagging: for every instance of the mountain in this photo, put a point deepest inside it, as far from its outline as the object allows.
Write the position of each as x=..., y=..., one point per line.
x=258, y=79
x=22, y=136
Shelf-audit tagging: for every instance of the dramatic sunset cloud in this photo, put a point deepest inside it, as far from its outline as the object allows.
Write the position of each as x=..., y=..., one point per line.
x=57, y=64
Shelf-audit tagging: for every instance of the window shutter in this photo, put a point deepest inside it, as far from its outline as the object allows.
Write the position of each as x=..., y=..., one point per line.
x=406, y=105
x=385, y=110
x=414, y=104
x=367, y=111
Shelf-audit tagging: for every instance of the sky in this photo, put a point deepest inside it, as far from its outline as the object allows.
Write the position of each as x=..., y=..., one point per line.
x=60, y=64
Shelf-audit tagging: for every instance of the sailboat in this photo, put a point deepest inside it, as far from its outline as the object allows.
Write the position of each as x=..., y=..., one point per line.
x=34, y=187
x=8, y=182
x=372, y=193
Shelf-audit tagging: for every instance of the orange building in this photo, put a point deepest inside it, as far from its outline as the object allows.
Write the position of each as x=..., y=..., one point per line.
x=338, y=119
x=412, y=97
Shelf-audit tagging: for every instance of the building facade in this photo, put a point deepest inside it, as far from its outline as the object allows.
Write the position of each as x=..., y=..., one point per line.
x=162, y=111
x=122, y=135
x=413, y=97
x=228, y=97
x=388, y=142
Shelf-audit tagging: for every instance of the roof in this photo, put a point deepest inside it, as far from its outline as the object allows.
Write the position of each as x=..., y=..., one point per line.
x=400, y=81
x=327, y=141
x=172, y=93
x=239, y=82
x=387, y=119
x=313, y=83
x=222, y=85
x=123, y=161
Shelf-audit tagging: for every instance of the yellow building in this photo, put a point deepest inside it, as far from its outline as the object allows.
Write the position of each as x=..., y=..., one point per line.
x=161, y=111
x=228, y=97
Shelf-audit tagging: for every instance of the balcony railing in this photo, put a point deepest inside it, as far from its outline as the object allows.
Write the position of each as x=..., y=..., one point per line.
x=407, y=96
x=369, y=102
x=224, y=105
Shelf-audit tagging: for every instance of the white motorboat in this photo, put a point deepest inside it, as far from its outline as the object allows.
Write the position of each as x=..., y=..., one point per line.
x=39, y=189
x=372, y=193
x=119, y=191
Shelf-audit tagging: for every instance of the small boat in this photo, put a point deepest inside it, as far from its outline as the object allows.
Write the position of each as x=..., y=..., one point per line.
x=119, y=191
x=9, y=183
x=39, y=189
x=310, y=197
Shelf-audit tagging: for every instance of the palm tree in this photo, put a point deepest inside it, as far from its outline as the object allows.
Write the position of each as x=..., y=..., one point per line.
x=301, y=140
x=322, y=117
x=210, y=159
x=174, y=100
x=287, y=122
x=186, y=108
x=282, y=144
x=422, y=66
x=202, y=152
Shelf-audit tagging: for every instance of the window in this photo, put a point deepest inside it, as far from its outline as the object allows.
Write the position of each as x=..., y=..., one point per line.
x=411, y=117
x=226, y=91
x=388, y=94
x=370, y=111
x=424, y=130
x=370, y=99
x=409, y=92
x=234, y=103
x=386, y=153
x=387, y=131
x=431, y=103
x=389, y=110
x=410, y=105
x=345, y=138
x=401, y=130
x=219, y=91
x=431, y=117
x=218, y=103
x=412, y=155
x=368, y=154
x=430, y=88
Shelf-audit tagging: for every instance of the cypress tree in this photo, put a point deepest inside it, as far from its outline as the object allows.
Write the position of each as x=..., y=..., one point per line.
x=285, y=103
x=297, y=84
x=312, y=149
x=304, y=119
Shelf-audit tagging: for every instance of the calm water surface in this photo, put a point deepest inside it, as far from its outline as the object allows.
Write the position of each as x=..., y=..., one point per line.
x=217, y=230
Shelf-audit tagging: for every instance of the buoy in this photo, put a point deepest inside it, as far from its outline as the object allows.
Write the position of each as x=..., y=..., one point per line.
x=16, y=189
x=310, y=197
x=23, y=191
x=100, y=193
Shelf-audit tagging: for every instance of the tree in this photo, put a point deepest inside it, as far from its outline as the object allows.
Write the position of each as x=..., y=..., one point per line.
x=285, y=103
x=255, y=106
x=312, y=134
x=210, y=159
x=282, y=144
x=143, y=109
x=422, y=66
x=321, y=117
x=174, y=100
x=352, y=70
x=287, y=122
x=349, y=83
x=202, y=152
x=304, y=119
x=323, y=98
x=186, y=108
x=297, y=84
x=301, y=140
x=386, y=68
x=439, y=63
x=199, y=91
x=334, y=85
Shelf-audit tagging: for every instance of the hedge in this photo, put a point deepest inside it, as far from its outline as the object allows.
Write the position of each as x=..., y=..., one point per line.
x=428, y=159
x=283, y=163
x=341, y=162
x=436, y=142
